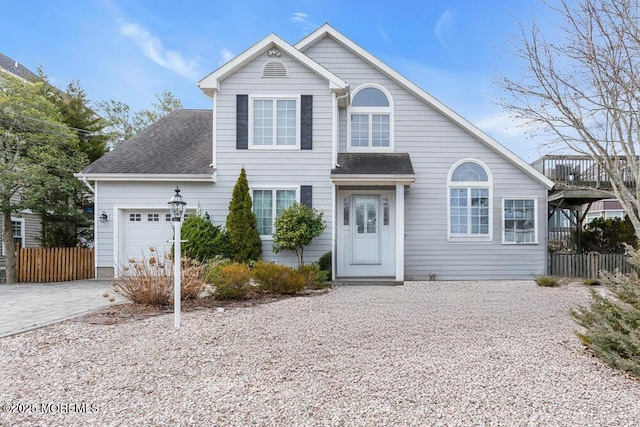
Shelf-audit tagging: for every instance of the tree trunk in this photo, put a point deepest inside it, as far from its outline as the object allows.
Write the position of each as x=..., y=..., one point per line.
x=9, y=247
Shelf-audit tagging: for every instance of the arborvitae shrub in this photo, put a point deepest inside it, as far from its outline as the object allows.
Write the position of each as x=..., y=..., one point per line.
x=242, y=225
x=202, y=240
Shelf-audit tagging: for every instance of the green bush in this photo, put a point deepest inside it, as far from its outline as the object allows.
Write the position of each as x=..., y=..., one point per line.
x=611, y=320
x=325, y=264
x=277, y=278
x=592, y=282
x=314, y=277
x=609, y=235
x=231, y=281
x=296, y=227
x=242, y=224
x=547, y=281
x=202, y=240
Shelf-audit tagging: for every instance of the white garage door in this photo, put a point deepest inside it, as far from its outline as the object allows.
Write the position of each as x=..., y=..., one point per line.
x=143, y=229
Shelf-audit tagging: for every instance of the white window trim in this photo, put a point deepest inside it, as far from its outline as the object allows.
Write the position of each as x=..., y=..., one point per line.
x=470, y=184
x=274, y=146
x=273, y=189
x=535, y=220
x=370, y=111
x=22, y=233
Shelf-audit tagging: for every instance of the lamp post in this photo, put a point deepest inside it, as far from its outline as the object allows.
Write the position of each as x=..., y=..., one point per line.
x=177, y=206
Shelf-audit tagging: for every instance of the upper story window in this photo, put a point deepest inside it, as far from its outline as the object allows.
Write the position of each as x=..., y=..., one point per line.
x=469, y=201
x=274, y=122
x=371, y=120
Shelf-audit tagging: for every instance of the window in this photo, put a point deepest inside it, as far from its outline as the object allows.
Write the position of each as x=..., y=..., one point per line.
x=370, y=120
x=153, y=217
x=135, y=217
x=613, y=214
x=519, y=221
x=469, y=201
x=274, y=123
x=268, y=205
x=17, y=226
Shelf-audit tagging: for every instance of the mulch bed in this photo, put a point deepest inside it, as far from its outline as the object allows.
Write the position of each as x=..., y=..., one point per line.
x=120, y=313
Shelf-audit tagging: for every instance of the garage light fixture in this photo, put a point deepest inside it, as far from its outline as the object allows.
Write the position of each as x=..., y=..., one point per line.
x=104, y=217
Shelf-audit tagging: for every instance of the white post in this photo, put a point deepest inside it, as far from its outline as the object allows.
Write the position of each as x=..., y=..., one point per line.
x=177, y=274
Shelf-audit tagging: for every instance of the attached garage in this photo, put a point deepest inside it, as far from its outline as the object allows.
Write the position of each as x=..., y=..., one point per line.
x=143, y=229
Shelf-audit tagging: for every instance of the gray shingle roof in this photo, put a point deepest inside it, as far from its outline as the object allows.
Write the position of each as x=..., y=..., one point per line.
x=17, y=69
x=373, y=164
x=179, y=143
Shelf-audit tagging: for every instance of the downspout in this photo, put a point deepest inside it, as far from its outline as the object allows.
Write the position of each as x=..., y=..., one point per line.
x=85, y=181
x=334, y=188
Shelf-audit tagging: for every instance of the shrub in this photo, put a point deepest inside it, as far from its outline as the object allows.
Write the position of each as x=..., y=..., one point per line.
x=609, y=235
x=611, y=320
x=202, y=240
x=547, y=281
x=296, y=227
x=277, y=278
x=325, y=264
x=242, y=225
x=592, y=282
x=149, y=281
x=231, y=281
x=314, y=277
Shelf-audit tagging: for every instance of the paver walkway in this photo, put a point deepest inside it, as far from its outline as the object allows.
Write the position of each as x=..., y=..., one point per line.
x=27, y=306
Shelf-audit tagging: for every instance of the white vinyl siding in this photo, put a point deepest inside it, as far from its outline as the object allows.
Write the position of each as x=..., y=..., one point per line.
x=435, y=143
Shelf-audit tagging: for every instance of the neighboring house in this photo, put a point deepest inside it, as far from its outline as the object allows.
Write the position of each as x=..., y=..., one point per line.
x=26, y=225
x=409, y=189
x=607, y=209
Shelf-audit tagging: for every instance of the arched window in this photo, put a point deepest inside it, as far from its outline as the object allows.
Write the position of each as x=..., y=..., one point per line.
x=470, y=186
x=371, y=119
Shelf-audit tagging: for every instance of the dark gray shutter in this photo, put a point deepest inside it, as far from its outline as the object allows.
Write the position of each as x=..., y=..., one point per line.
x=306, y=192
x=306, y=122
x=242, y=122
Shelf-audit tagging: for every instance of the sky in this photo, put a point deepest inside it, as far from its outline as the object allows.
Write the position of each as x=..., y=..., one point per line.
x=131, y=50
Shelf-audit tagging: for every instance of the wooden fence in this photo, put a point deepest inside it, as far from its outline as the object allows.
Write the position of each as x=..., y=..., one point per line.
x=587, y=265
x=54, y=264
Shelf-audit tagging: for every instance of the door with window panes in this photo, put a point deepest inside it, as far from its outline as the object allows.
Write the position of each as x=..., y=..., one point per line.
x=366, y=237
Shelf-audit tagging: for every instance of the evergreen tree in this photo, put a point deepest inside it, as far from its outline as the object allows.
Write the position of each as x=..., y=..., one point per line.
x=242, y=224
x=38, y=153
x=122, y=123
x=66, y=211
x=202, y=240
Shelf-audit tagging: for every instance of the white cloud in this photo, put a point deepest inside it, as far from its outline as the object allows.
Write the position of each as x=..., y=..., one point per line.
x=151, y=47
x=300, y=19
x=444, y=26
x=225, y=55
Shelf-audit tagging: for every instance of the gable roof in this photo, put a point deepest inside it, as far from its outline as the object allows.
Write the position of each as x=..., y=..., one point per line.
x=179, y=145
x=328, y=31
x=211, y=83
x=9, y=65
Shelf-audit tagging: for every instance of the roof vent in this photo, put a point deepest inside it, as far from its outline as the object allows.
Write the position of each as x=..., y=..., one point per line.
x=275, y=69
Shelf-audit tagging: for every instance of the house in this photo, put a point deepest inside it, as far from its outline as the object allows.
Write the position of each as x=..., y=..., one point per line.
x=409, y=189
x=26, y=225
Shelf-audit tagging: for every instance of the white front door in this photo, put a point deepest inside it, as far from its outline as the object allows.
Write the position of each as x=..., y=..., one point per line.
x=366, y=238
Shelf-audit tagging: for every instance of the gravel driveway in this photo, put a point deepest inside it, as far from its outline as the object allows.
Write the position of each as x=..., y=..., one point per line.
x=427, y=353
